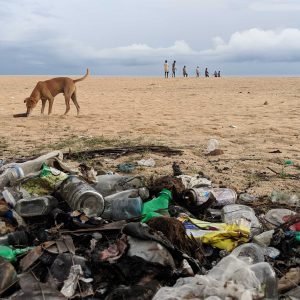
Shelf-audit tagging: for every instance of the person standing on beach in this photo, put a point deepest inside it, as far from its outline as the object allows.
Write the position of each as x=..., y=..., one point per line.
x=206, y=73
x=166, y=68
x=185, y=74
x=219, y=73
x=197, y=71
x=173, y=68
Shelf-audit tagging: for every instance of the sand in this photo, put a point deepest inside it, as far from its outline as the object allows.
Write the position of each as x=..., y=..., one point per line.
x=250, y=117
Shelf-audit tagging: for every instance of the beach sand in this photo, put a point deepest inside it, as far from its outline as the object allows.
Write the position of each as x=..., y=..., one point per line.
x=250, y=117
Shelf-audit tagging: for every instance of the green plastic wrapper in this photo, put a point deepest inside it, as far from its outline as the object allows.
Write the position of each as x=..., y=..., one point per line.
x=45, y=183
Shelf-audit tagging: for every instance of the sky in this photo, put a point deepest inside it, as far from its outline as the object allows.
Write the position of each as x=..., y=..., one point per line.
x=135, y=37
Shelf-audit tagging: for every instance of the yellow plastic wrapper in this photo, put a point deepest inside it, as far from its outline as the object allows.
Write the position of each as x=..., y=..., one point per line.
x=219, y=235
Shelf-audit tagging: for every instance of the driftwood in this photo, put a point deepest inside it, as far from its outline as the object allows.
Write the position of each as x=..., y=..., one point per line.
x=111, y=152
x=117, y=152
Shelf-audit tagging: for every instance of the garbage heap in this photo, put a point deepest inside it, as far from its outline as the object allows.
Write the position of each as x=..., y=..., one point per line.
x=70, y=234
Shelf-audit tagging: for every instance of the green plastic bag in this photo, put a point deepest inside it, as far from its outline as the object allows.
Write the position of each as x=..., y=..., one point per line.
x=157, y=207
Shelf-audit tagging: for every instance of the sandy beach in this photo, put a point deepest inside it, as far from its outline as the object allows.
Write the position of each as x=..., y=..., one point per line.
x=250, y=117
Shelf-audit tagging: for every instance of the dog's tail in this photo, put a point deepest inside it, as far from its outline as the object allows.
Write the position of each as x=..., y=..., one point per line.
x=82, y=78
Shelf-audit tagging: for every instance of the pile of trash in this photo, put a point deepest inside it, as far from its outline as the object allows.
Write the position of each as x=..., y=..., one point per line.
x=68, y=233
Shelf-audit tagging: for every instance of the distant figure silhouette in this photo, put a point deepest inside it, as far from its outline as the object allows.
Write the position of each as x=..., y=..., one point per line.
x=166, y=68
x=206, y=73
x=185, y=74
x=197, y=71
x=215, y=74
x=173, y=68
x=219, y=74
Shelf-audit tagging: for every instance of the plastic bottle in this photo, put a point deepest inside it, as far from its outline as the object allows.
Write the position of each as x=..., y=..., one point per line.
x=11, y=254
x=81, y=196
x=247, y=198
x=285, y=198
x=10, y=176
x=31, y=166
x=9, y=198
x=198, y=196
x=212, y=145
x=125, y=205
x=233, y=213
x=110, y=184
x=38, y=206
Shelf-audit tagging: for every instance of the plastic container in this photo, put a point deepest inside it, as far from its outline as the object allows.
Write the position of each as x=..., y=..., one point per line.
x=110, y=184
x=233, y=213
x=38, y=206
x=81, y=196
x=125, y=205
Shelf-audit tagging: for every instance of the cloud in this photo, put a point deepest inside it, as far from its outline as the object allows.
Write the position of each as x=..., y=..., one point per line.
x=275, y=5
x=137, y=53
x=257, y=45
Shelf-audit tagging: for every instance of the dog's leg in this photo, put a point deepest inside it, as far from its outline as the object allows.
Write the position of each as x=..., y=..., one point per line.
x=44, y=100
x=74, y=99
x=67, y=100
x=51, y=100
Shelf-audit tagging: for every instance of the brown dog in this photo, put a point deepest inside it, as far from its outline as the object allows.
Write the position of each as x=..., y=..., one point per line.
x=47, y=90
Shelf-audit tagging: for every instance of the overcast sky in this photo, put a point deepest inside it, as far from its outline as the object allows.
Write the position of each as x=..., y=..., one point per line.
x=134, y=37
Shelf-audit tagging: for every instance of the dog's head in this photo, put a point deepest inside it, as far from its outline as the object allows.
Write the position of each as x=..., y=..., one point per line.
x=30, y=104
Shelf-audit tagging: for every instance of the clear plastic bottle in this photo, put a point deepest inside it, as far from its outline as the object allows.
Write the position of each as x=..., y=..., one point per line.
x=38, y=206
x=125, y=205
x=110, y=184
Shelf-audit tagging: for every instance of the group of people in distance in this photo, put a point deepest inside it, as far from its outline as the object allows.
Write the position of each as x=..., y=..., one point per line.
x=184, y=71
